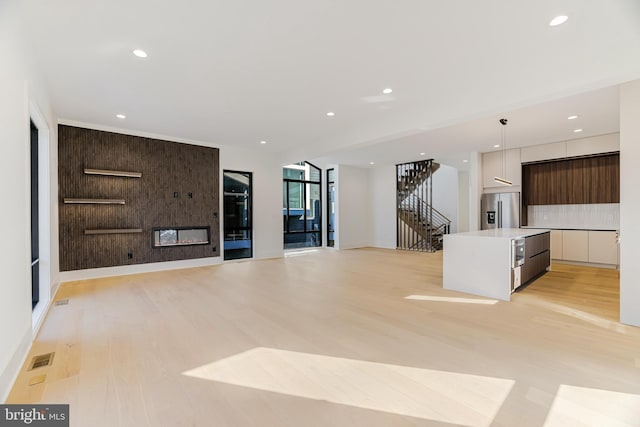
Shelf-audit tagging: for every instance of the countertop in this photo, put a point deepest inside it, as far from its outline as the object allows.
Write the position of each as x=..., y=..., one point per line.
x=504, y=233
x=533, y=227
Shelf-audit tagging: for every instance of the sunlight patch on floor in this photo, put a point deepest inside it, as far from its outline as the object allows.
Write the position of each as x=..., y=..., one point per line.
x=586, y=317
x=299, y=252
x=581, y=406
x=451, y=397
x=452, y=299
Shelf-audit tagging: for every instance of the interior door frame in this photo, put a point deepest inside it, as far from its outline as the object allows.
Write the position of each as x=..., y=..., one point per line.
x=47, y=263
x=251, y=228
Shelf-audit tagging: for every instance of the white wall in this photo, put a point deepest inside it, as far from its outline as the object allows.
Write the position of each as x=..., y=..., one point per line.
x=267, y=197
x=353, y=210
x=463, y=201
x=382, y=197
x=629, y=203
x=445, y=193
x=20, y=85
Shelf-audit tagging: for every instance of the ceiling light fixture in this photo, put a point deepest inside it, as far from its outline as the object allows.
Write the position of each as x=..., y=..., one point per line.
x=263, y=142
x=577, y=130
x=572, y=117
x=422, y=154
x=465, y=161
x=372, y=163
x=331, y=114
x=387, y=91
x=558, y=20
x=496, y=146
x=140, y=53
x=498, y=179
x=121, y=116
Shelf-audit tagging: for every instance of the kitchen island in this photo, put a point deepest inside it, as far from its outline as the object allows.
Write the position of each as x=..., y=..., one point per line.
x=484, y=262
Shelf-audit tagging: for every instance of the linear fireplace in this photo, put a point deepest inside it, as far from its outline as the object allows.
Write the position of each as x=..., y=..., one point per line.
x=180, y=236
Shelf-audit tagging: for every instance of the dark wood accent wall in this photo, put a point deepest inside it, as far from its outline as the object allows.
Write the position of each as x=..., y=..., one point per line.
x=571, y=181
x=160, y=198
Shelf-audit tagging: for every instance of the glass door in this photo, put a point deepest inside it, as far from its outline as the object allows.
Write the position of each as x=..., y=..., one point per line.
x=35, y=219
x=301, y=205
x=331, y=204
x=238, y=222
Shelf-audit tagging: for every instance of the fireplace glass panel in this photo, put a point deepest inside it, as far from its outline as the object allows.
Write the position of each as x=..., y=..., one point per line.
x=180, y=236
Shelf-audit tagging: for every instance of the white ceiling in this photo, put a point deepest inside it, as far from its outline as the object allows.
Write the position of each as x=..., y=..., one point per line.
x=598, y=114
x=237, y=72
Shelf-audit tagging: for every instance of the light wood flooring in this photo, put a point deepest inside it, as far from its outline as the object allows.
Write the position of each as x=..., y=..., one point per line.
x=328, y=339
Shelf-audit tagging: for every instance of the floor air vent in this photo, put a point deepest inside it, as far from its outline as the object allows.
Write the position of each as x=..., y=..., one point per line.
x=41, y=361
x=37, y=380
x=62, y=302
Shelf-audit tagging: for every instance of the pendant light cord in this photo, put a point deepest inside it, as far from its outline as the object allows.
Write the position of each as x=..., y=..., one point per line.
x=503, y=122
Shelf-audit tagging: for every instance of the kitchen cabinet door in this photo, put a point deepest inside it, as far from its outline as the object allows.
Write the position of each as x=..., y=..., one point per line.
x=556, y=244
x=575, y=245
x=492, y=166
x=593, y=145
x=603, y=247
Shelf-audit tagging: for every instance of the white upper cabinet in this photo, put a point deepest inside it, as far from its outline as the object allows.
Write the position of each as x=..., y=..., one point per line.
x=576, y=147
x=492, y=166
x=594, y=145
x=535, y=153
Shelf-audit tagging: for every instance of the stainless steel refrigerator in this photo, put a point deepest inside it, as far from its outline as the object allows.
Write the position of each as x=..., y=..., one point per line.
x=500, y=210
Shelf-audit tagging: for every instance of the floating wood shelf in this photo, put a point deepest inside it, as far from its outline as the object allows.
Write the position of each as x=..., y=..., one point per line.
x=96, y=201
x=114, y=231
x=112, y=173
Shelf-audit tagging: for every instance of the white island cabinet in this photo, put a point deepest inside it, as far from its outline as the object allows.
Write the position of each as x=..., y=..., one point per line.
x=480, y=262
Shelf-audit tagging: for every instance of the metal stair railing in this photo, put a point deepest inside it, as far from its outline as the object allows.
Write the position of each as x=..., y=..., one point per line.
x=419, y=225
x=440, y=223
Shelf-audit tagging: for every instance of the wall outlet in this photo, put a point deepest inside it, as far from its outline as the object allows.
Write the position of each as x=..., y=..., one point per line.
x=176, y=194
x=190, y=195
x=215, y=248
x=130, y=255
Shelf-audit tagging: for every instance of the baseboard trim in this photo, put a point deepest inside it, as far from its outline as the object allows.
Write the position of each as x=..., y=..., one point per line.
x=12, y=370
x=585, y=264
x=96, y=273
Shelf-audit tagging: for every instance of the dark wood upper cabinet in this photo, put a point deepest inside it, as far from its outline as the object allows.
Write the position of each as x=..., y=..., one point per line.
x=572, y=181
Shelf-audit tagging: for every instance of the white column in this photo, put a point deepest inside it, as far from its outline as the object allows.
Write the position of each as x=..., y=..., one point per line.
x=629, y=203
x=475, y=190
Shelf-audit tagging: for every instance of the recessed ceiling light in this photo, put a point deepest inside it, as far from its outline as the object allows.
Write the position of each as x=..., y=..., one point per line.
x=496, y=146
x=387, y=91
x=121, y=116
x=263, y=142
x=558, y=20
x=422, y=154
x=465, y=161
x=331, y=114
x=372, y=163
x=577, y=130
x=140, y=53
x=572, y=117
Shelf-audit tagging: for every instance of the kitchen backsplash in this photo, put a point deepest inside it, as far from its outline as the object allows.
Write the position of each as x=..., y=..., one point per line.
x=605, y=216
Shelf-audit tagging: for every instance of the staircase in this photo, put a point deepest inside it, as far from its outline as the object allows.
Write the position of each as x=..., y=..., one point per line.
x=420, y=227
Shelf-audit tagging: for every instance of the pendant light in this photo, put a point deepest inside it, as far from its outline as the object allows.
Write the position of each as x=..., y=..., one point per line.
x=503, y=180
